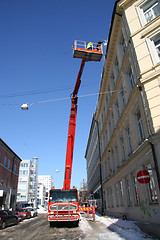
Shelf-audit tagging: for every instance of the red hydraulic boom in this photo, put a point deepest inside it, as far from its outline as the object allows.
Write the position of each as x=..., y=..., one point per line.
x=63, y=204
x=71, y=131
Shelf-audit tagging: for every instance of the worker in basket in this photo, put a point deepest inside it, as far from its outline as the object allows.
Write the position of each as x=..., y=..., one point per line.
x=90, y=45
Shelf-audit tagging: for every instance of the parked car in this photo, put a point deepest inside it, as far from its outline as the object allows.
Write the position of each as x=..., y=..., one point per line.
x=19, y=215
x=25, y=212
x=33, y=211
x=7, y=218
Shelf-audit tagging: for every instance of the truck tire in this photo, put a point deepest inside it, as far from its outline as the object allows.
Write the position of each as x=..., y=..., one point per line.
x=76, y=223
x=17, y=222
x=50, y=224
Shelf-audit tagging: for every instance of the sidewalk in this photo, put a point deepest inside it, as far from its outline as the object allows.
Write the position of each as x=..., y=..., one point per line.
x=150, y=228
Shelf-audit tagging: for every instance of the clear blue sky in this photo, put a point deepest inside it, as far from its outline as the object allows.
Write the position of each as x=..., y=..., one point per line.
x=36, y=64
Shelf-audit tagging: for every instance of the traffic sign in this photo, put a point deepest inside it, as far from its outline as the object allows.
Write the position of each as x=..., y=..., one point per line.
x=143, y=176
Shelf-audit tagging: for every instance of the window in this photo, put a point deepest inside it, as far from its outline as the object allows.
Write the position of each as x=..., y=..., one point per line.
x=113, y=160
x=112, y=122
x=109, y=93
x=109, y=130
x=123, y=97
x=151, y=10
x=153, y=42
x=106, y=103
x=15, y=168
x=106, y=138
x=129, y=140
x=121, y=192
x=108, y=198
x=148, y=10
x=116, y=193
x=116, y=64
x=131, y=77
x=128, y=192
x=157, y=45
x=5, y=161
x=122, y=149
x=123, y=44
x=136, y=190
x=116, y=156
x=2, y=181
x=117, y=109
x=24, y=164
x=111, y=196
x=9, y=163
x=14, y=184
x=151, y=186
x=112, y=79
x=6, y=181
x=140, y=126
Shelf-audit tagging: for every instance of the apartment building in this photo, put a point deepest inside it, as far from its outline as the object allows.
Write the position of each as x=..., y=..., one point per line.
x=47, y=181
x=125, y=132
x=28, y=181
x=9, y=172
x=41, y=194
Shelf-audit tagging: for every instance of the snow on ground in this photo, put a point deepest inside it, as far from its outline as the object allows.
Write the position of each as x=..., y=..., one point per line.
x=41, y=209
x=116, y=228
x=126, y=229
x=97, y=233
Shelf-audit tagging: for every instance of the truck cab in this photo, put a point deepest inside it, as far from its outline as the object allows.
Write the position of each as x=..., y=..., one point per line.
x=63, y=206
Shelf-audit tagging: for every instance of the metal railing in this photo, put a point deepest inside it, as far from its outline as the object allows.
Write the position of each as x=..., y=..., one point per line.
x=84, y=44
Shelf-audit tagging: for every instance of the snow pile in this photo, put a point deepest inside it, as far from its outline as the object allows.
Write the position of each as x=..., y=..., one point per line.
x=41, y=209
x=126, y=229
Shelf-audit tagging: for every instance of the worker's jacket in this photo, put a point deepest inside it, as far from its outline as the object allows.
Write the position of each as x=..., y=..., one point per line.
x=90, y=45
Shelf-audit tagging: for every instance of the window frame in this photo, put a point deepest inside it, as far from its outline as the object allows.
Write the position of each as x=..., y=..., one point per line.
x=5, y=161
x=150, y=40
x=147, y=4
x=122, y=43
x=128, y=190
x=129, y=139
x=9, y=163
x=151, y=186
x=140, y=124
x=131, y=77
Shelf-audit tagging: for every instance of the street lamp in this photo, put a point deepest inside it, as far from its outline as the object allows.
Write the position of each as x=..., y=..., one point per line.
x=24, y=106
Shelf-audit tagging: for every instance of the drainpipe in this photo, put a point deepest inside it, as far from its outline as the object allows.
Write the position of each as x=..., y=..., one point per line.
x=100, y=165
x=151, y=144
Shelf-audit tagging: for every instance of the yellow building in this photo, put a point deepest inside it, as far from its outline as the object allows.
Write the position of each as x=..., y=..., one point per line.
x=125, y=133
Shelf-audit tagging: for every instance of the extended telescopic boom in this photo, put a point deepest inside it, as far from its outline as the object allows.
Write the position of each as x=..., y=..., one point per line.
x=71, y=131
x=93, y=53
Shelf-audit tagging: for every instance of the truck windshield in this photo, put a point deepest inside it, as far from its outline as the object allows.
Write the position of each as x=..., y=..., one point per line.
x=63, y=196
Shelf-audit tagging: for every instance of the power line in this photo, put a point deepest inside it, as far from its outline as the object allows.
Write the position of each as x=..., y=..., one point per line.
x=41, y=91
x=80, y=96
x=62, y=99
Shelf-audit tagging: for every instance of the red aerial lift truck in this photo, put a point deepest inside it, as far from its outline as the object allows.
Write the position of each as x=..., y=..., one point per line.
x=63, y=204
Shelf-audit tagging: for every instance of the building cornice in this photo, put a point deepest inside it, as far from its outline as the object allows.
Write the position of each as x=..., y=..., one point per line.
x=9, y=150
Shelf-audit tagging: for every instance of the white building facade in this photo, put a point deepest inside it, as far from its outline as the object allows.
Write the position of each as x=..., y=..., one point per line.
x=41, y=194
x=47, y=181
x=28, y=181
x=125, y=133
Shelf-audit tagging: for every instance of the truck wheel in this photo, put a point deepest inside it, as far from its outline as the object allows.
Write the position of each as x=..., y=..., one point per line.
x=3, y=225
x=17, y=222
x=50, y=224
x=76, y=224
